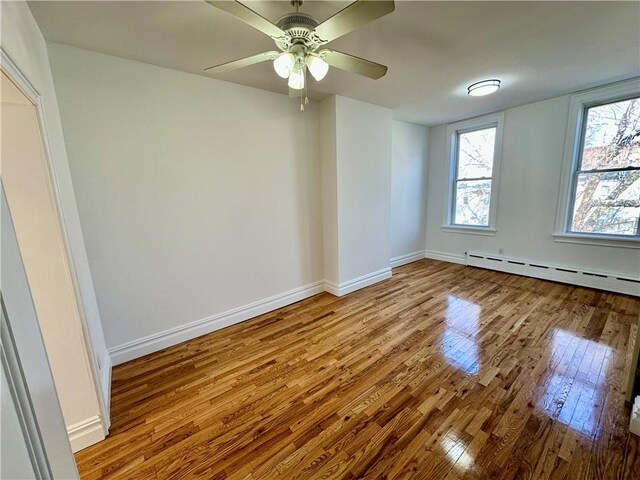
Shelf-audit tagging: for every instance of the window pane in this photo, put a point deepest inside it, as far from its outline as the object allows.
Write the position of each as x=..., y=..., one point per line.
x=612, y=136
x=607, y=203
x=472, y=203
x=475, y=153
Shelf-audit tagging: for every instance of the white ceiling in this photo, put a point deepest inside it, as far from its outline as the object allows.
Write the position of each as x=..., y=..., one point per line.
x=433, y=49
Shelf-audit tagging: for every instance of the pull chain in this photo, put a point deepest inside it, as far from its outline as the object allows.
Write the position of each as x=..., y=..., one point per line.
x=301, y=94
x=306, y=99
x=303, y=91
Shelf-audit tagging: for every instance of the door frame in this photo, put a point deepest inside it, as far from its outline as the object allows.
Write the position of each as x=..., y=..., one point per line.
x=13, y=72
x=19, y=392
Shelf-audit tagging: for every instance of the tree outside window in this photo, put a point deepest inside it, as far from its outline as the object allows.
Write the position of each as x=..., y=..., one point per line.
x=606, y=183
x=473, y=179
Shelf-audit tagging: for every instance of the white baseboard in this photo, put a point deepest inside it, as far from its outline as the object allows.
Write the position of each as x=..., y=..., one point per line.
x=331, y=288
x=357, y=283
x=152, y=343
x=445, y=257
x=557, y=273
x=105, y=382
x=408, y=258
x=158, y=341
x=86, y=433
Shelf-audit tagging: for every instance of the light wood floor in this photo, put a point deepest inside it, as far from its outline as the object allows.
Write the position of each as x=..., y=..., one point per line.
x=442, y=372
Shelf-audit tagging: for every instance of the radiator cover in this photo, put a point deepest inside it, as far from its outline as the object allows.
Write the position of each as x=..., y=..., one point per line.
x=556, y=273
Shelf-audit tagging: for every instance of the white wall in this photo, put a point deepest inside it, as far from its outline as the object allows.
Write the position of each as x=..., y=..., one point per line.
x=408, y=190
x=328, y=155
x=196, y=196
x=532, y=156
x=22, y=41
x=356, y=171
x=364, y=187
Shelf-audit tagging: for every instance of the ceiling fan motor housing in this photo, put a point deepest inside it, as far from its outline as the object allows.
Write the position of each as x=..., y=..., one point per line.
x=299, y=28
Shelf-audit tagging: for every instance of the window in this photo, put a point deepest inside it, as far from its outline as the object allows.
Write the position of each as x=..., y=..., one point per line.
x=606, y=183
x=603, y=192
x=472, y=189
x=474, y=150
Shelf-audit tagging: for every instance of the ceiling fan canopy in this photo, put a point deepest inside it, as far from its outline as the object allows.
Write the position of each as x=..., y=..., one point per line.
x=301, y=40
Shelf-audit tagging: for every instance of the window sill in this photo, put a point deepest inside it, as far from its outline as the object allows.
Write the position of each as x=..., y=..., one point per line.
x=599, y=240
x=487, y=231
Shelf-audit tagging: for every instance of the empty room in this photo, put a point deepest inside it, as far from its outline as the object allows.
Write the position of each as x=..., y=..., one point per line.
x=293, y=239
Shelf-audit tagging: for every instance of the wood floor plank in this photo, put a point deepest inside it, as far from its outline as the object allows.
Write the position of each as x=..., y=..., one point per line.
x=441, y=372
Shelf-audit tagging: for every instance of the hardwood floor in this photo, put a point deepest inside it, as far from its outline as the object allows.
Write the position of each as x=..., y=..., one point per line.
x=442, y=372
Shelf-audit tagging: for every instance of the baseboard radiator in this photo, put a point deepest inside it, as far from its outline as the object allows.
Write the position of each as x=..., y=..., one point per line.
x=570, y=275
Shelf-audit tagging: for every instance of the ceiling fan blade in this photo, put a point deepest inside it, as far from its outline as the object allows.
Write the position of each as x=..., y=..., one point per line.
x=241, y=63
x=350, y=63
x=354, y=16
x=244, y=13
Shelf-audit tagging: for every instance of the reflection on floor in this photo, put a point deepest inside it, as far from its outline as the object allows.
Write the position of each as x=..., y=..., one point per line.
x=578, y=403
x=442, y=372
x=459, y=342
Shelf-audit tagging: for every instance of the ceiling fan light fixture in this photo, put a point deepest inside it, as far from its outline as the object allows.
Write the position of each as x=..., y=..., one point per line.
x=317, y=67
x=283, y=65
x=296, y=79
x=298, y=37
x=485, y=87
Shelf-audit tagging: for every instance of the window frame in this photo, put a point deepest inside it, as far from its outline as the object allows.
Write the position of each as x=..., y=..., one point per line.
x=453, y=131
x=574, y=144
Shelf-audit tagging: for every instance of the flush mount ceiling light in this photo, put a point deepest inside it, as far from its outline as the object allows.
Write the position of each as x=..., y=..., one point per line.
x=300, y=38
x=485, y=87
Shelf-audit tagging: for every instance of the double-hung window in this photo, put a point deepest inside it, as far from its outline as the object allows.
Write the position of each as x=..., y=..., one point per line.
x=474, y=148
x=602, y=173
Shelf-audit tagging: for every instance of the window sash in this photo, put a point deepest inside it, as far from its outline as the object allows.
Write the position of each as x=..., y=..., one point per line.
x=585, y=117
x=473, y=179
x=455, y=196
x=572, y=203
x=577, y=170
x=455, y=175
x=456, y=179
x=607, y=170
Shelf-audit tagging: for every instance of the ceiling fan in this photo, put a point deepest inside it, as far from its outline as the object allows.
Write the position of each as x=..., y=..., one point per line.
x=300, y=39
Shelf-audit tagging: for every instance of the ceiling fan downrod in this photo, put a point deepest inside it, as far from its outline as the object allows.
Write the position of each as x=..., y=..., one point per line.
x=297, y=4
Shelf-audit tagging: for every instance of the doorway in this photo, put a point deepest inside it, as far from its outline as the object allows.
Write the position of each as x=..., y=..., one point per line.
x=32, y=202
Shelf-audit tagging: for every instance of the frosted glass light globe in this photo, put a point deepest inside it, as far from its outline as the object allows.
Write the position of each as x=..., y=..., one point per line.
x=296, y=79
x=283, y=65
x=317, y=66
